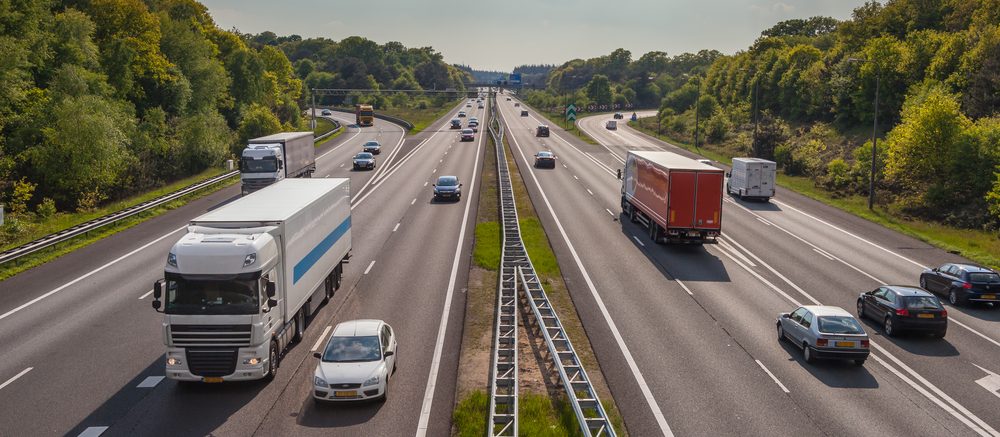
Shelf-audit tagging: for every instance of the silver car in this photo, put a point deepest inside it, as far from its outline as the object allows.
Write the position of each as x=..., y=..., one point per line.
x=824, y=332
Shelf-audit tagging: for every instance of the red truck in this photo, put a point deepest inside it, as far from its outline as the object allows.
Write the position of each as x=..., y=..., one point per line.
x=678, y=199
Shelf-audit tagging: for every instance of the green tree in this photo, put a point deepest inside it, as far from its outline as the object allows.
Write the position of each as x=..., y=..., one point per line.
x=257, y=121
x=205, y=140
x=599, y=89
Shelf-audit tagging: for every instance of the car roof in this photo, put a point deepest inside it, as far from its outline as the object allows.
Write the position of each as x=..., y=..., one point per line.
x=972, y=268
x=907, y=290
x=360, y=327
x=827, y=310
x=447, y=178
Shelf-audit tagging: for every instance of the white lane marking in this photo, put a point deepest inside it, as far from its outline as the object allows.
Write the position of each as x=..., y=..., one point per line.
x=15, y=377
x=564, y=166
x=341, y=166
x=951, y=319
x=591, y=192
x=574, y=177
x=338, y=145
x=637, y=241
x=783, y=204
x=609, y=212
x=571, y=146
x=435, y=171
x=763, y=221
x=425, y=408
x=643, y=386
x=737, y=253
x=322, y=337
x=685, y=287
x=440, y=160
x=822, y=252
x=150, y=382
x=991, y=382
x=89, y=274
x=775, y=378
x=147, y=294
x=395, y=227
x=413, y=201
x=425, y=183
x=93, y=431
x=369, y=267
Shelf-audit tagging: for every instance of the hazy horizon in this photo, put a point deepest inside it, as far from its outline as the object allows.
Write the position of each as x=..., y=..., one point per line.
x=531, y=32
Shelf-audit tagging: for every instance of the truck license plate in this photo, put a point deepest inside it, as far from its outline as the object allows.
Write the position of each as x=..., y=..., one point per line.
x=345, y=394
x=212, y=379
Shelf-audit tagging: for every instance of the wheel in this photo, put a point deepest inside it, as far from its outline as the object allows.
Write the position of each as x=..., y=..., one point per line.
x=654, y=231
x=807, y=354
x=859, y=363
x=923, y=283
x=940, y=334
x=299, y=326
x=861, y=309
x=890, y=330
x=328, y=288
x=385, y=394
x=954, y=298
x=338, y=277
x=781, y=333
x=272, y=361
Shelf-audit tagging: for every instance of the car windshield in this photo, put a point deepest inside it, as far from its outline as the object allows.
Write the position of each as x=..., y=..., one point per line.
x=372, y=144
x=466, y=131
x=922, y=303
x=840, y=325
x=365, y=155
x=544, y=155
x=267, y=165
x=989, y=278
x=352, y=349
x=187, y=296
x=447, y=181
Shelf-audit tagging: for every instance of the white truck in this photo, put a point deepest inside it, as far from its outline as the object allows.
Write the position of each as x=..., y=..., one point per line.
x=239, y=285
x=752, y=178
x=269, y=159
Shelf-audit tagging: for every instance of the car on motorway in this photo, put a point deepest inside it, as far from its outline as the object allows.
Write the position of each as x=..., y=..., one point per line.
x=524, y=112
x=481, y=105
x=474, y=125
x=372, y=147
x=461, y=114
x=468, y=105
x=356, y=363
x=516, y=104
x=326, y=112
x=963, y=283
x=456, y=123
x=508, y=99
x=364, y=160
x=448, y=187
x=824, y=332
x=468, y=135
x=619, y=116
x=473, y=119
x=545, y=158
x=542, y=131
x=902, y=308
x=611, y=125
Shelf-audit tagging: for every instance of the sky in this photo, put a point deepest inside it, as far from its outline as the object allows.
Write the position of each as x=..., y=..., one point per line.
x=500, y=35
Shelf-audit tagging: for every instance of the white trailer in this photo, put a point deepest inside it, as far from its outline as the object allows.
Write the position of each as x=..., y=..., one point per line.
x=238, y=287
x=752, y=178
x=269, y=159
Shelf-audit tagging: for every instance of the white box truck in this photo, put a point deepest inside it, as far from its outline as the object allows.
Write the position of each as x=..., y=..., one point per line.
x=239, y=285
x=269, y=159
x=752, y=178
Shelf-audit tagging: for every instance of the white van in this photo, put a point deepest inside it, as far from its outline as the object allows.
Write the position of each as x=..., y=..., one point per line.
x=612, y=125
x=752, y=178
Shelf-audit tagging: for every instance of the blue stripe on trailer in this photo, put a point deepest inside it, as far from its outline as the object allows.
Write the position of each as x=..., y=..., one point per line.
x=317, y=252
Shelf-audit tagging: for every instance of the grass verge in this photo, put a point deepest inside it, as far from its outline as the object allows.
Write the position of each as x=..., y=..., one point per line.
x=979, y=246
x=30, y=261
x=420, y=118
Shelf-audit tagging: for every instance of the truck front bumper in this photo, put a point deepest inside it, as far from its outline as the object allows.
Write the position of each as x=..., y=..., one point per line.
x=248, y=363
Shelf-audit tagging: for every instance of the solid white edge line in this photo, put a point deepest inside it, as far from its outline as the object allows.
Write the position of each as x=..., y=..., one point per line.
x=369, y=267
x=952, y=318
x=775, y=378
x=15, y=377
x=637, y=241
x=425, y=409
x=93, y=431
x=823, y=253
x=87, y=275
x=685, y=287
x=322, y=337
x=147, y=294
x=150, y=382
x=643, y=386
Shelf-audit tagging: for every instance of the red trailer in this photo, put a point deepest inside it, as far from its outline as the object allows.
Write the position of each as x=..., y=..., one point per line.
x=678, y=199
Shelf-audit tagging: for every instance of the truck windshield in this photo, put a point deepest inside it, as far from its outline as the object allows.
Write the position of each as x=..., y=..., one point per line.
x=186, y=296
x=367, y=113
x=267, y=165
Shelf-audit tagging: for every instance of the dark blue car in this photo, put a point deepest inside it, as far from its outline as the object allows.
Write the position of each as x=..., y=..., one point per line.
x=963, y=283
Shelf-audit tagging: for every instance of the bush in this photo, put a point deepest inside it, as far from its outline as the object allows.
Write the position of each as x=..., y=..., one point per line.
x=838, y=174
x=718, y=127
x=784, y=156
x=46, y=209
x=23, y=192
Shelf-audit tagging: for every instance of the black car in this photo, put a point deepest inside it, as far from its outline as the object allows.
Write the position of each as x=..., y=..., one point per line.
x=619, y=116
x=963, y=283
x=902, y=308
x=542, y=131
x=545, y=159
x=364, y=160
x=448, y=187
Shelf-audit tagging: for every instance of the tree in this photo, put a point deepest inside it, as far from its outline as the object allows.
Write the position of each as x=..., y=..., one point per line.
x=257, y=121
x=599, y=89
x=205, y=140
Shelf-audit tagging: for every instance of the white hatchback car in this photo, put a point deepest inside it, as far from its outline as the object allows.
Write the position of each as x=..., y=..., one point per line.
x=356, y=362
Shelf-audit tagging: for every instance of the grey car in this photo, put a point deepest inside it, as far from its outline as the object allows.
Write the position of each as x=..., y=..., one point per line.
x=824, y=332
x=372, y=147
x=448, y=187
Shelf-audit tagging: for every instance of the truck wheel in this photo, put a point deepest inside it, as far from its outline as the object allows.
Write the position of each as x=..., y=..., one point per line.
x=654, y=232
x=300, y=320
x=328, y=288
x=272, y=361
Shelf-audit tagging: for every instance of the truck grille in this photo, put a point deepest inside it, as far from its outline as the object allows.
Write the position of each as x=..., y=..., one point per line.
x=256, y=184
x=210, y=335
x=212, y=362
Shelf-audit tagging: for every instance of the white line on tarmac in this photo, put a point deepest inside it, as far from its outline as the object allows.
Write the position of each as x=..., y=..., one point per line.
x=591, y=192
x=775, y=378
x=369, y=267
x=321, y=338
x=821, y=252
x=637, y=241
x=609, y=212
x=147, y=294
x=413, y=201
x=395, y=227
x=15, y=377
x=93, y=431
x=150, y=382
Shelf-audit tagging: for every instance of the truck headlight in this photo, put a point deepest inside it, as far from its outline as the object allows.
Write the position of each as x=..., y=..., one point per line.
x=250, y=259
x=173, y=361
x=252, y=361
x=172, y=259
x=319, y=382
x=371, y=381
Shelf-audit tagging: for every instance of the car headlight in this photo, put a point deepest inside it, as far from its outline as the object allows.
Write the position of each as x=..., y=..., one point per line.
x=319, y=382
x=173, y=361
x=371, y=381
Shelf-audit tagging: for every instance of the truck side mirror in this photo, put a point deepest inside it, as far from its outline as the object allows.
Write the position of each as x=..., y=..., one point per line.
x=729, y=175
x=272, y=302
x=156, y=305
x=270, y=289
x=317, y=355
x=157, y=289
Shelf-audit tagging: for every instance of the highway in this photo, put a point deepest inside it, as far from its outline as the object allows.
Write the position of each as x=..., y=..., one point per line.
x=686, y=335
x=83, y=349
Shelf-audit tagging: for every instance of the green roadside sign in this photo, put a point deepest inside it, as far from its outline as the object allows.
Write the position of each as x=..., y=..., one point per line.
x=571, y=112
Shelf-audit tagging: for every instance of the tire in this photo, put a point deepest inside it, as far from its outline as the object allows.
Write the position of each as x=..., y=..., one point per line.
x=272, y=361
x=888, y=327
x=338, y=278
x=631, y=214
x=385, y=394
x=781, y=333
x=861, y=309
x=859, y=363
x=807, y=355
x=299, y=326
x=654, y=232
x=940, y=334
x=328, y=288
x=955, y=299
